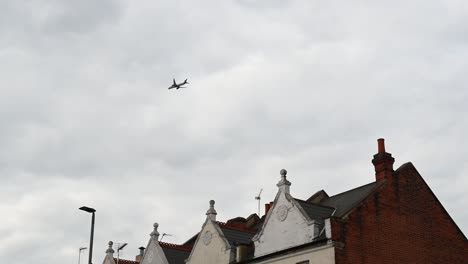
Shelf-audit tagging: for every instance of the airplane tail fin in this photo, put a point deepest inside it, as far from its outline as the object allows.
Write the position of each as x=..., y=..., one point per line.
x=173, y=81
x=186, y=81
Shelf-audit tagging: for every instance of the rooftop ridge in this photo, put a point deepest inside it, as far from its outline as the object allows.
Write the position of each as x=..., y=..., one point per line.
x=175, y=246
x=236, y=227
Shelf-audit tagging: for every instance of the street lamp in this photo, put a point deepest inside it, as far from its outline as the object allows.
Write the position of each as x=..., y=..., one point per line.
x=92, y=211
x=79, y=253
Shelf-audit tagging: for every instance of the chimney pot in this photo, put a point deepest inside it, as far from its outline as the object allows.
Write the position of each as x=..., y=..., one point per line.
x=383, y=162
x=139, y=258
x=381, y=145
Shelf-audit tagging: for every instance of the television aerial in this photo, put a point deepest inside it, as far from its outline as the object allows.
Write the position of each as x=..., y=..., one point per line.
x=259, y=198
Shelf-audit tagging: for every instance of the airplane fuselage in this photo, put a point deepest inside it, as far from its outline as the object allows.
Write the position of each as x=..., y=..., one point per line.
x=178, y=85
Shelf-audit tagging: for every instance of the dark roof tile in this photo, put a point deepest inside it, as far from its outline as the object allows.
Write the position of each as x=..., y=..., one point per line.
x=175, y=254
x=316, y=212
x=346, y=201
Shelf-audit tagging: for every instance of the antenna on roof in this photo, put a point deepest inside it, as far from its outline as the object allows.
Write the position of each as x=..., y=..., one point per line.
x=163, y=235
x=259, y=198
x=120, y=247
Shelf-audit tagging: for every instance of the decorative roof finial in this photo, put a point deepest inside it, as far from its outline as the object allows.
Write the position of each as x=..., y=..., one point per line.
x=155, y=234
x=211, y=213
x=110, y=251
x=284, y=184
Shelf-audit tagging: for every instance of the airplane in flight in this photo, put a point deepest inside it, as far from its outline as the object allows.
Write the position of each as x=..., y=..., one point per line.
x=177, y=85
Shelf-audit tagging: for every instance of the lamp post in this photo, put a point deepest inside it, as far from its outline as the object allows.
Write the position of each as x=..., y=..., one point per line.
x=92, y=211
x=79, y=253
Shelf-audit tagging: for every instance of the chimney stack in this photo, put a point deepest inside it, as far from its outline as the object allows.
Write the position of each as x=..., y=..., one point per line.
x=139, y=257
x=383, y=162
x=211, y=213
x=268, y=207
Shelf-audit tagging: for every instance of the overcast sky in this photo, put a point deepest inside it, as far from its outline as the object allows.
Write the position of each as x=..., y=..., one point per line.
x=86, y=117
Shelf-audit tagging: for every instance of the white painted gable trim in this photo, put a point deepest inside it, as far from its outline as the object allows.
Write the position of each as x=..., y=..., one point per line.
x=157, y=254
x=286, y=225
x=109, y=259
x=294, y=203
x=218, y=230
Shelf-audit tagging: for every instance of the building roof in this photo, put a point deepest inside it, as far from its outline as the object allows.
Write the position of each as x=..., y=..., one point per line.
x=345, y=201
x=175, y=254
x=237, y=234
x=316, y=212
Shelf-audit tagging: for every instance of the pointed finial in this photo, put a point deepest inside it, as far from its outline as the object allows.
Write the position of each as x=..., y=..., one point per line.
x=283, y=184
x=155, y=234
x=283, y=173
x=110, y=250
x=211, y=213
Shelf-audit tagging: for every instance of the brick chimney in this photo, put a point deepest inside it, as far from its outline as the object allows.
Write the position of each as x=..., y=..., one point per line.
x=383, y=162
x=268, y=207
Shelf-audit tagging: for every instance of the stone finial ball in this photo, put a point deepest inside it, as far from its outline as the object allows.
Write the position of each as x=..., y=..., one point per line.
x=111, y=243
x=155, y=225
x=212, y=202
x=283, y=172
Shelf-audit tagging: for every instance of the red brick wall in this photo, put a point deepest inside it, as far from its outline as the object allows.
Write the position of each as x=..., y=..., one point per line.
x=402, y=222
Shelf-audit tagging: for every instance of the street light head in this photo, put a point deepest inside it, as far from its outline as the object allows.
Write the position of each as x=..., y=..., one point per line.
x=87, y=209
x=83, y=248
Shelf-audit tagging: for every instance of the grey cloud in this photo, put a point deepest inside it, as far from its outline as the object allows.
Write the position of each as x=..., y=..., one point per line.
x=86, y=117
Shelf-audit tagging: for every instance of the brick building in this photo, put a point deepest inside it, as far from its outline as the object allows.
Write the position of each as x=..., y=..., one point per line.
x=394, y=219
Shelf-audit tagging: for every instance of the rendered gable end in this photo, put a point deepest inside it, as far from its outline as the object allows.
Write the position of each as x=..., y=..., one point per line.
x=322, y=254
x=154, y=254
x=285, y=226
x=211, y=246
x=108, y=260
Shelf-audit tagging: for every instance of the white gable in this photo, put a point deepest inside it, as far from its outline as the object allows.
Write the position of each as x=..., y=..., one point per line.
x=211, y=246
x=154, y=254
x=108, y=259
x=286, y=225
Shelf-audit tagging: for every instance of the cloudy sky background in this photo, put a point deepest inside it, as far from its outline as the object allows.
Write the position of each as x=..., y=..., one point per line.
x=86, y=117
